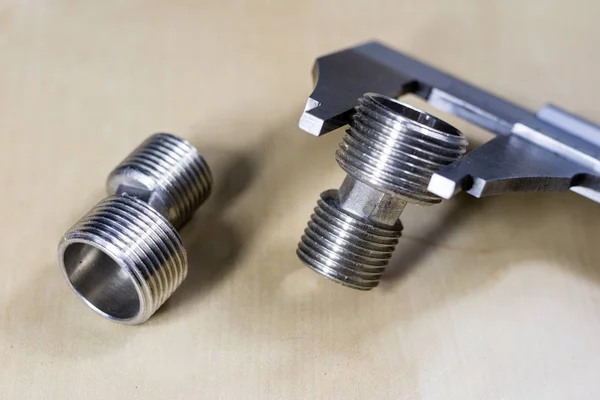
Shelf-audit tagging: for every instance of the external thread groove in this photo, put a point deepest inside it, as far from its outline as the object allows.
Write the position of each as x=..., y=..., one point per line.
x=157, y=252
x=346, y=248
x=339, y=252
x=168, y=173
x=363, y=239
x=123, y=259
x=175, y=187
x=199, y=172
x=170, y=254
x=107, y=228
x=390, y=153
x=397, y=149
x=335, y=236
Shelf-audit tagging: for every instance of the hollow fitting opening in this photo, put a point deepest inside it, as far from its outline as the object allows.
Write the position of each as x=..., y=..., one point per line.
x=101, y=282
x=414, y=114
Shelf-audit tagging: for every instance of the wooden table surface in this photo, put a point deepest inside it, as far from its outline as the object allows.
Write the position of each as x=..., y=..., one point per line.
x=484, y=299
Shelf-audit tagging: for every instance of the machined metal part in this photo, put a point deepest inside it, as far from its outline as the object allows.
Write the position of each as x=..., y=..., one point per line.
x=125, y=258
x=389, y=152
x=549, y=151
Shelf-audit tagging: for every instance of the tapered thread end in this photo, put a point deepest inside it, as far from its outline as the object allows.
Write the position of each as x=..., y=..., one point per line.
x=166, y=172
x=345, y=248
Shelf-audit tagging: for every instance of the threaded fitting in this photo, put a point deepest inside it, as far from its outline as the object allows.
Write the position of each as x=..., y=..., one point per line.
x=124, y=258
x=397, y=148
x=344, y=247
x=390, y=152
x=168, y=173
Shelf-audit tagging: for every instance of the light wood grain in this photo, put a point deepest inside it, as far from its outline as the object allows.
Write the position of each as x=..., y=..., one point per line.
x=485, y=299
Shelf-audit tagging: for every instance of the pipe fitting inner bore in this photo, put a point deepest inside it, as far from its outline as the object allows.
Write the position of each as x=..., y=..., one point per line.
x=100, y=281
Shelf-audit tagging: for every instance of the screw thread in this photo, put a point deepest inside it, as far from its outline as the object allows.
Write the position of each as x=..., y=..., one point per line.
x=396, y=148
x=391, y=150
x=344, y=247
x=123, y=259
x=168, y=173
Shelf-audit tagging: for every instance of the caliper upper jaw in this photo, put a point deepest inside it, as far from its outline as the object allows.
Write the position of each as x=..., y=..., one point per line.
x=550, y=151
x=340, y=80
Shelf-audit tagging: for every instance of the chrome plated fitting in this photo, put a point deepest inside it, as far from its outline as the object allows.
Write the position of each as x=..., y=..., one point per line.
x=390, y=152
x=125, y=258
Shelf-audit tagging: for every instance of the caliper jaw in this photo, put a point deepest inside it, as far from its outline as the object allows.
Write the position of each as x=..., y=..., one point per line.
x=550, y=151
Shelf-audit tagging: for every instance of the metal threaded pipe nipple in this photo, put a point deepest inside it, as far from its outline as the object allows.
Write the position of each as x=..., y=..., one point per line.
x=390, y=152
x=125, y=258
